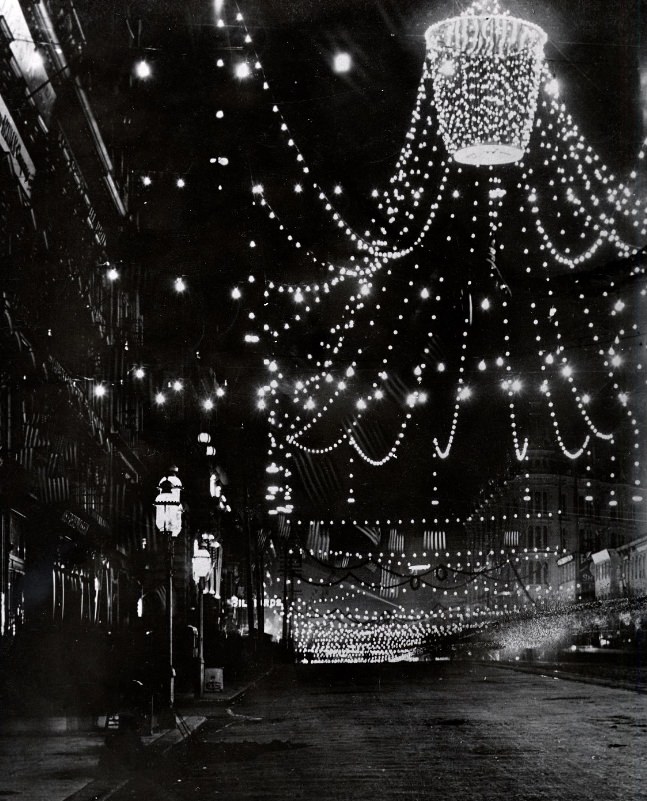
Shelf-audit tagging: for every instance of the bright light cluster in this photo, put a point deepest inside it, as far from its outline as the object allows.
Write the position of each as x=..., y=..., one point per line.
x=486, y=69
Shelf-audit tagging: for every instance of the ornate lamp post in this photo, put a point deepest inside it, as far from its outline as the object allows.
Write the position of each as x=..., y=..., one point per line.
x=168, y=519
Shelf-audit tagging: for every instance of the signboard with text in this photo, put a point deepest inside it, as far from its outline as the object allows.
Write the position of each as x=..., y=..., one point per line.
x=11, y=143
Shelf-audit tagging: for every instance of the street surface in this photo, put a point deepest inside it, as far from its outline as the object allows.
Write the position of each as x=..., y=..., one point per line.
x=419, y=731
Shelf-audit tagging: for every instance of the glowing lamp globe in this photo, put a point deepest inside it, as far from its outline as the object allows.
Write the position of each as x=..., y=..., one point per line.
x=485, y=70
x=168, y=506
x=201, y=563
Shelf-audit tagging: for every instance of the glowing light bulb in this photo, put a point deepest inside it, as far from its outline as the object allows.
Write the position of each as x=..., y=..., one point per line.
x=112, y=274
x=178, y=386
x=179, y=284
x=236, y=293
x=447, y=68
x=100, y=390
x=143, y=70
x=160, y=398
x=485, y=303
x=139, y=372
x=552, y=87
x=180, y=183
x=342, y=62
x=146, y=180
x=208, y=404
x=242, y=70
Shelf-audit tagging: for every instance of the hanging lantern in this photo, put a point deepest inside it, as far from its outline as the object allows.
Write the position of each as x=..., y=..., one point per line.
x=485, y=69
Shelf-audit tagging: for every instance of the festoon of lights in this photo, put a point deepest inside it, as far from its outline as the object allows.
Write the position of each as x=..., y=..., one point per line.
x=170, y=389
x=335, y=613
x=486, y=98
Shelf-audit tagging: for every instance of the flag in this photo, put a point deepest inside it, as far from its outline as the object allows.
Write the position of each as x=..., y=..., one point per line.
x=52, y=489
x=283, y=527
x=32, y=437
x=387, y=584
x=511, y=538
x=434, y=540
x=261, y=539
x=396, y=541
x=372, y=532
x=318, y=540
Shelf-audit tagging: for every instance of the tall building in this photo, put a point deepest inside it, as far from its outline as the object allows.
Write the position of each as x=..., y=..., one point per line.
x=72, y=512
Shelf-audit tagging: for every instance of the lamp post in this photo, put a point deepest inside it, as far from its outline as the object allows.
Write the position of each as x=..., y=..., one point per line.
x=168, y=519
x=202, y=566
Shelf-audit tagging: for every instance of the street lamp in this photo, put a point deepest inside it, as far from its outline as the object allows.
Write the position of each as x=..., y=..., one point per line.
x=202, y=566
x=168, y=519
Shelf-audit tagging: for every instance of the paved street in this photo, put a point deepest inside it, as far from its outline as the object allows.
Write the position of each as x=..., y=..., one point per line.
x=414, y=732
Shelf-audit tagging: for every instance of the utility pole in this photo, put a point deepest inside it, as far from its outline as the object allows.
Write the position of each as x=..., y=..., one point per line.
x=249, y=583
x=285, y=593
x=260, y=606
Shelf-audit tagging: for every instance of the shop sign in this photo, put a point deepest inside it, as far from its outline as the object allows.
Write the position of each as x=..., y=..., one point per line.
x=75, y=522
x=11, y=142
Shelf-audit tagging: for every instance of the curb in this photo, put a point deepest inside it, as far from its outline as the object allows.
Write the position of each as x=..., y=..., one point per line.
x=554, y=672
x=104, y=788
x=239, y=694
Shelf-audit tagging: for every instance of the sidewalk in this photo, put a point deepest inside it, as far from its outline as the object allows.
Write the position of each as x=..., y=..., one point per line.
x=41, y=759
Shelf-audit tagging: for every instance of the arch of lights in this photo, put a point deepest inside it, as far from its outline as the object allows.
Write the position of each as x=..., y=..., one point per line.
x=488, y=124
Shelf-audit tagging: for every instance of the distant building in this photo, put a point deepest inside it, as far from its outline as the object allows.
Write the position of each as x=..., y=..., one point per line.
x=550, y=519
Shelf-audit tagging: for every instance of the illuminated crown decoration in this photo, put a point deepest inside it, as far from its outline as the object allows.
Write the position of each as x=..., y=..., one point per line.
x=485, y=69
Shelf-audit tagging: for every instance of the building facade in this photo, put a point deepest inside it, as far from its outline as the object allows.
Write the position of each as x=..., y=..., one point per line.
x=543, y=522
x=73, y=515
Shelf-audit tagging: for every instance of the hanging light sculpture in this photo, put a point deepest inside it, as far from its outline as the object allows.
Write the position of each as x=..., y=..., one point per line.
x=485, y=67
